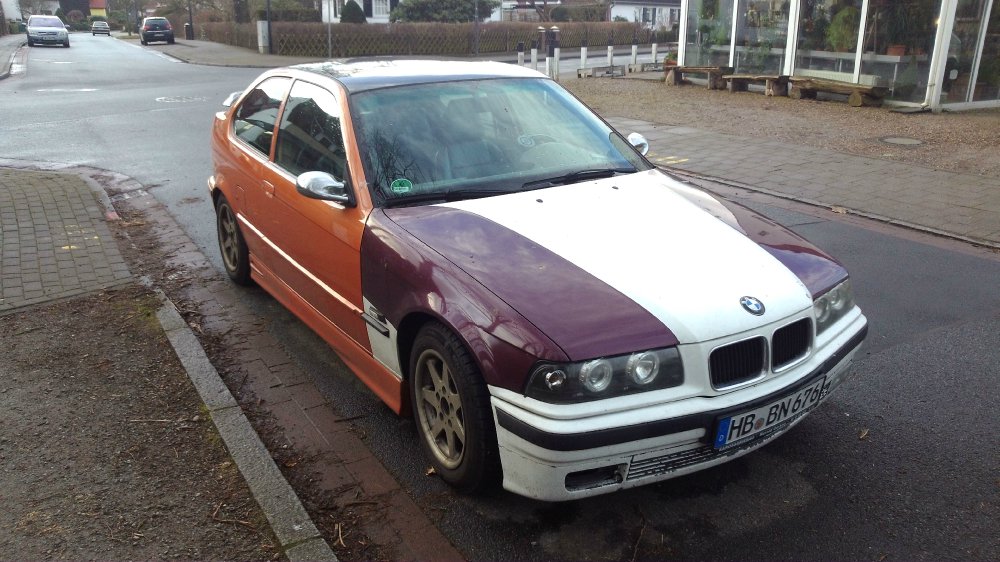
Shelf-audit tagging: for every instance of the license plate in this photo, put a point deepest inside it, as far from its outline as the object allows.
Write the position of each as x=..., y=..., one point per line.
x=754, y=424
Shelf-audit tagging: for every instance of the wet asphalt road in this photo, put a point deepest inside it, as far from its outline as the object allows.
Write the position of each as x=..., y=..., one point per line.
x=922, y=484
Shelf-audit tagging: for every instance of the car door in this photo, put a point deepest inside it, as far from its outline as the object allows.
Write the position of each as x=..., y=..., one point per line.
x=253, y=124
x=318, y=242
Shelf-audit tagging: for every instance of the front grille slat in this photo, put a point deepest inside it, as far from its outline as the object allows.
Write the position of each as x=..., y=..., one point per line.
x=737, y=362
x=790, y=343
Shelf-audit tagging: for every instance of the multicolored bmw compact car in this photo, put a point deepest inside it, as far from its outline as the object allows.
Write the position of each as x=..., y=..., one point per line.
x=485, y=252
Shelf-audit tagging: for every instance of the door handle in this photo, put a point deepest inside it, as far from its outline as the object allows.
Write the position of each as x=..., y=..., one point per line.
x=268, y=188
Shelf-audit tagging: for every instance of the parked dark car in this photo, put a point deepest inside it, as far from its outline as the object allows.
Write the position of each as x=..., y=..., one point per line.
x=156, y=29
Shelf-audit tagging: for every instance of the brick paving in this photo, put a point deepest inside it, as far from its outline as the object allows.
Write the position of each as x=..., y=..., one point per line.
x=54, y=240
x=962, y=206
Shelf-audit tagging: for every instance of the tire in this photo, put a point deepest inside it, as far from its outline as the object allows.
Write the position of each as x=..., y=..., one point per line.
x=66, y=44
x=451, y=408
x=232, y=246
x=30, y=44
x=170, y=42
x=143, y=41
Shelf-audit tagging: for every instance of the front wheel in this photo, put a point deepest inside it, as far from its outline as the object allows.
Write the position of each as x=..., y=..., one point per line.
x=235, y=255
x=451, y=407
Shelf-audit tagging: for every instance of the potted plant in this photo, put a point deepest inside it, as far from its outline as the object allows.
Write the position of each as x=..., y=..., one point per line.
x=842, y=35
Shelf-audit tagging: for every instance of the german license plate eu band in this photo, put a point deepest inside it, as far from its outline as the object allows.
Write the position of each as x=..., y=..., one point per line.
x=746, y=426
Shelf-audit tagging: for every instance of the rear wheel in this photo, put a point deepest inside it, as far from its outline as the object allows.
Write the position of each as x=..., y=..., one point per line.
x=235, y=255
x=451, y=407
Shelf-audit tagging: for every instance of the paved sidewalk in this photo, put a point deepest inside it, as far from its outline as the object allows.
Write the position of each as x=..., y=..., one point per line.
x=54, y=240
x=962, y=206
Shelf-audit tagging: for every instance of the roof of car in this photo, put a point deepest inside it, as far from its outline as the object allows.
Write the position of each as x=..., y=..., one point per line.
x=358, y=76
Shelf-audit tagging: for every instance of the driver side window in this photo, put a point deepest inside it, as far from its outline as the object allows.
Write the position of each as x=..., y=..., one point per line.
x=310, y=136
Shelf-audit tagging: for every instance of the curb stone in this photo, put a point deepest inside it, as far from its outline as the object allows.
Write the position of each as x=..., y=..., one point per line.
x=300, y=539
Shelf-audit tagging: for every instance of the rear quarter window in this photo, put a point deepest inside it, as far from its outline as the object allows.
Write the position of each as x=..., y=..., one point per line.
x=257, y=113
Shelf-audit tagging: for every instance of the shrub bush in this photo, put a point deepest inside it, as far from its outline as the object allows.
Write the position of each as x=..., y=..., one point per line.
x=352, y=13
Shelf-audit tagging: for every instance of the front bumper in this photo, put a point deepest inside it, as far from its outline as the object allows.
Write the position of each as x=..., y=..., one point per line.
x=558, y=460
x=49, y=39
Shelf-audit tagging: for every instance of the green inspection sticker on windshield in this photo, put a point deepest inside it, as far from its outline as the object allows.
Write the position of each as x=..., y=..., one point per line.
x=401, y=186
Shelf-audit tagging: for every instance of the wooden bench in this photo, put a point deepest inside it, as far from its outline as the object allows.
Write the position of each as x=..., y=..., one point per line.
x=674, y=75
x=774, y=85
x=646, y=67
x=858, y=95
x=608, y=71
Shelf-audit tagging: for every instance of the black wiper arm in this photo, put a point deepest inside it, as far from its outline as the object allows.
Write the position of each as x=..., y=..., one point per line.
x=578, y=176
x=445, y=196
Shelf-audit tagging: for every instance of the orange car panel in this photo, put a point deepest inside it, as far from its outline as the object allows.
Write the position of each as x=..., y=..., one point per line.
x=306, y=252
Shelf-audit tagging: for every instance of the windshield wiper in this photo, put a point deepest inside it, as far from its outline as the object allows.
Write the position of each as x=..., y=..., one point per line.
x=445, y=196
x=579, y=176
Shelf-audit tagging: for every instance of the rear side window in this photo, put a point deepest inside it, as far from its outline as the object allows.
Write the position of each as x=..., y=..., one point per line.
x=310, y=136
x=257, y=113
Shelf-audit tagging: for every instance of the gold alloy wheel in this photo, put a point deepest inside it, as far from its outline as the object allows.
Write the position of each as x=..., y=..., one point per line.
x=439, y=409
x=228, y=240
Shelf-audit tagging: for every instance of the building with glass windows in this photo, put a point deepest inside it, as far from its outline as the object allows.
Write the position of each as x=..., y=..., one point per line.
x=942, y=54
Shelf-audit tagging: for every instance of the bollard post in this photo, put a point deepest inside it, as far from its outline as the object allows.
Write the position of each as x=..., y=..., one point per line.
x=583, y=55
x=654, y=53
x=555, y=52
x=520, y=53
x=534, y=54
x=635, y=53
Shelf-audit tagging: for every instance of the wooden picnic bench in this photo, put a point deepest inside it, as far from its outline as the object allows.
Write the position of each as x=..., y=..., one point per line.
x=858, y=95
x=674, y=74
x=774, y=85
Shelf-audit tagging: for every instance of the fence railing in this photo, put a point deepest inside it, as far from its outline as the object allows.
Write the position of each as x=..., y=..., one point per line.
x=311, y=39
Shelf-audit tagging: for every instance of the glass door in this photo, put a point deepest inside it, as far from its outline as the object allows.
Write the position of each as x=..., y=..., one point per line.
x=972, y=71
x=709, y=33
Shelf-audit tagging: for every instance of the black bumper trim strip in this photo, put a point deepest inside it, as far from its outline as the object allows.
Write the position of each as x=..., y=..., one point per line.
x=659, y=428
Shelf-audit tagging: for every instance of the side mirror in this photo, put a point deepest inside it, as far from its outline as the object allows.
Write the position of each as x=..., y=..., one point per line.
x=323, y=186
x=639, y=142
x=231, y=99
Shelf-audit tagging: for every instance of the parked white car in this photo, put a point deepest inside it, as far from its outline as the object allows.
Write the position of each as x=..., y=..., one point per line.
x=47, y=30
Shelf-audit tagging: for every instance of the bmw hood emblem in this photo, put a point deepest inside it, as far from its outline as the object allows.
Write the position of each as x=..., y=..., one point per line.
x=752, y=305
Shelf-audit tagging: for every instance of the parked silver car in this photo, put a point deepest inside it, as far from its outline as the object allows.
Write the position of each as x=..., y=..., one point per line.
x=47, y=30
x=100, y=27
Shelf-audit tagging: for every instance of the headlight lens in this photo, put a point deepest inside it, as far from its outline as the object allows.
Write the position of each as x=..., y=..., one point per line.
x=833, y=305
x=606, y=377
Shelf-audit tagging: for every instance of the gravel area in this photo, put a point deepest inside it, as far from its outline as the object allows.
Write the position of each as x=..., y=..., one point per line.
x=966, y=142
x=106, y=451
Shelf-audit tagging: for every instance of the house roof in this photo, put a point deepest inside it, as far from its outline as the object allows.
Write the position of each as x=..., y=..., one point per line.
x=98, y=4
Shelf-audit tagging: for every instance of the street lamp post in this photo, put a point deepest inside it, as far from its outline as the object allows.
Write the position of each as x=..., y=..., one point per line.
x=270, y=40
x=475, y=25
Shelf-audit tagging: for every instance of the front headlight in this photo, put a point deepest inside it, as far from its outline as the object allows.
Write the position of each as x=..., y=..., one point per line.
x=606, y=377
x=833, y=305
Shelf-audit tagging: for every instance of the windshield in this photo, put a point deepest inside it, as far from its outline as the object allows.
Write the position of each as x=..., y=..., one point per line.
x=45, y=22
x=454, y=140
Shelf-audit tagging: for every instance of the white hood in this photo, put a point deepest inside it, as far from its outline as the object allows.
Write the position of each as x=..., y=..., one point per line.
x=635, y=233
